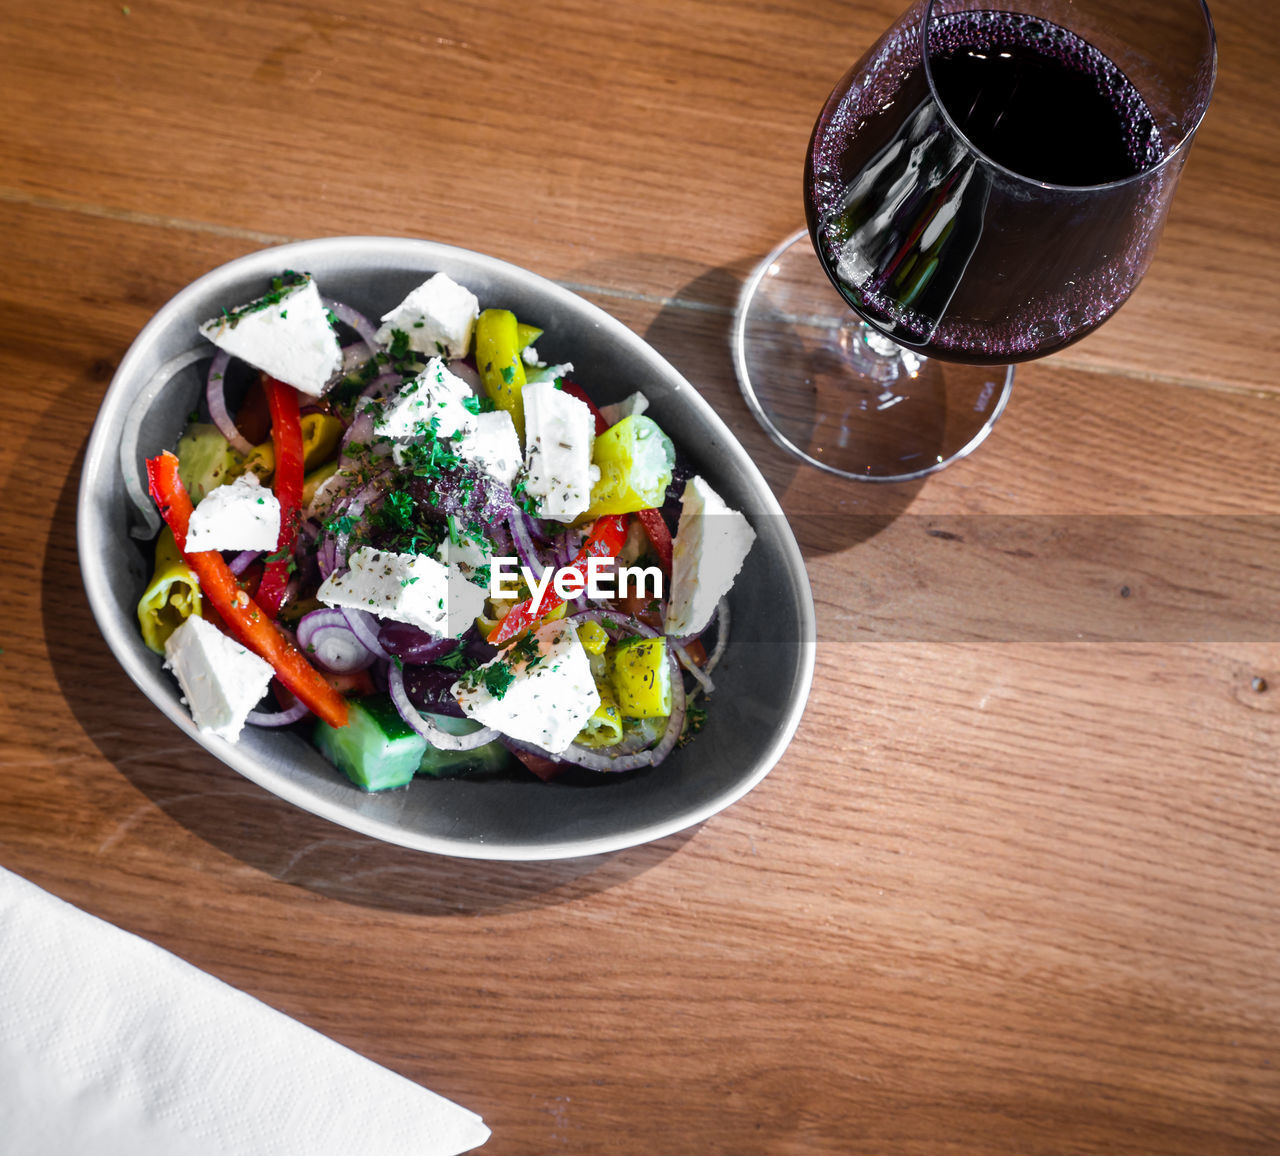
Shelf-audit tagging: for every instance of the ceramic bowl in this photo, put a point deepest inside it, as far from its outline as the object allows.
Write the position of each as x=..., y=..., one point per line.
x=761, y=685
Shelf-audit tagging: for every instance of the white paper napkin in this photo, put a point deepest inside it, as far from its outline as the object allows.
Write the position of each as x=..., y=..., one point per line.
x=112, y=1046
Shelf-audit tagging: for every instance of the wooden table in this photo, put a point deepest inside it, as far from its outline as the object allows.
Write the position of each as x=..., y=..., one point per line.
x=1013, y=888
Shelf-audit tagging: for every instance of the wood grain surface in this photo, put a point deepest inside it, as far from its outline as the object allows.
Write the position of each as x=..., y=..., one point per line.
x=1012, y=889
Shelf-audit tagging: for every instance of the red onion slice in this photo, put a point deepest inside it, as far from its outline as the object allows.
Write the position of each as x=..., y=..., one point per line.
x=216, y=397
x=365, y=627
x=277, y=718
x=359, y=431
x=616, y=624
x=700, y=676
x=353, y=357
x=438, y=738
x=722, y=635
x=327, y=557
x=242, y=561
x=524, y=545
x=412, y=644
x=327, y=637
x=467, y=371
x=380, y=387
x=333, y=552
x=354, y=319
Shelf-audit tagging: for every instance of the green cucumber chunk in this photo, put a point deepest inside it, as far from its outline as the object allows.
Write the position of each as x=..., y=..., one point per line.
x=377, y=749
x=490, y=757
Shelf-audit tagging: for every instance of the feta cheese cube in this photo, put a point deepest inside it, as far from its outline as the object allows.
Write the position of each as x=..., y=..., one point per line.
x=242, y=516
x=545, y=699
x=439, y=316
x=467, y=558
x=493, y=446
x=412, y=588
x=285, y=334
x=559, y=432
x=710, y=546
x=221, y=680
x=630, y=406
x=434, y=393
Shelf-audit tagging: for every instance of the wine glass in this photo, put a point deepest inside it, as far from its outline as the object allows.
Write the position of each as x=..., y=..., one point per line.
x=983, y=187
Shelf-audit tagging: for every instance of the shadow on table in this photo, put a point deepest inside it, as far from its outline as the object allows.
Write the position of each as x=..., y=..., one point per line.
x=693, y=331
x=242, y=820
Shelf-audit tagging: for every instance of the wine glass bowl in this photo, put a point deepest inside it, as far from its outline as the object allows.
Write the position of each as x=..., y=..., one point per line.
x=983, y=187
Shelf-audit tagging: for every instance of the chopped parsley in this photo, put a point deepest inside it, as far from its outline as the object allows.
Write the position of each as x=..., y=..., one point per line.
x=399, y=345
x=496, y=678
x=397, y=527
x=524, y=500
x=426, y=456
x=456, y=660
x=281, y=287
x=695, y=718
x=397, y=508
x=526, y=649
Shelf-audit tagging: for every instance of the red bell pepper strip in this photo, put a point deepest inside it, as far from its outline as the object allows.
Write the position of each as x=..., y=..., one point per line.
x=605, y=541
x=241, y=613
x=286, y=439
x=655, y=526
x=575, y=390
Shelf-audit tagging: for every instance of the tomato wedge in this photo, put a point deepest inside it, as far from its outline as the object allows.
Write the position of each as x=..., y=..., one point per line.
x=655, y=527
x=575, y=390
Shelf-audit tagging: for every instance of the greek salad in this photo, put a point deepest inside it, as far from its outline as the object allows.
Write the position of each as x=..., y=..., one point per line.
x=430, y=549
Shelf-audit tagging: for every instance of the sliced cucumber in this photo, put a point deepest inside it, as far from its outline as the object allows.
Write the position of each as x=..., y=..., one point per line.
x=377, y=749
x=490, y=757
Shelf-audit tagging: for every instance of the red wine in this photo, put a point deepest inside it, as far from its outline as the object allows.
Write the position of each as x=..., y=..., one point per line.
x=1040, y=101
x=1004, y=224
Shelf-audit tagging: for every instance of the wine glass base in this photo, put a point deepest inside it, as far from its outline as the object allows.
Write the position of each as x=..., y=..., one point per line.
x=836, y=392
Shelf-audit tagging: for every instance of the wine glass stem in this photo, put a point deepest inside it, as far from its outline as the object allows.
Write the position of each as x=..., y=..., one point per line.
x=876, y=356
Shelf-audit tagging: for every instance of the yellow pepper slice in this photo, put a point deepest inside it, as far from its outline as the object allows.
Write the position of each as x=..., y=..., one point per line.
x=206, y=460
x=635, y=459
x=594, y=637
x=641, y=677
x=321, y=433
x=171, y=597
x=315, y=479
x=526, y=335
x=498, y=359
x=261, y=462
x=604, y=728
